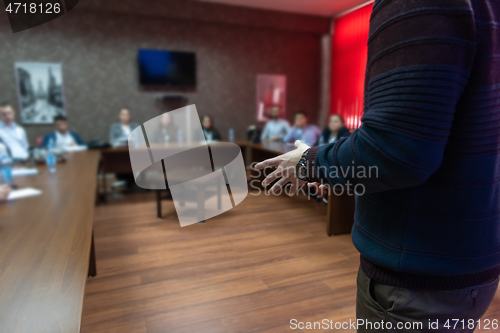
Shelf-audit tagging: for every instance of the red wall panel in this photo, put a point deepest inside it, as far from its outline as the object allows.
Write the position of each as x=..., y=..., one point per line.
x=349, y=55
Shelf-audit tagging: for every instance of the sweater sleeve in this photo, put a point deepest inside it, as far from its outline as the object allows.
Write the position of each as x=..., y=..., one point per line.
x=78, y=139
x=420, y=54
x=113, y=140
x=45, y=141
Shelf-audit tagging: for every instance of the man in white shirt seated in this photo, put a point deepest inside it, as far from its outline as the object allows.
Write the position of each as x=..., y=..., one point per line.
x=275, y=128
x=62, y=138
x=12, y=135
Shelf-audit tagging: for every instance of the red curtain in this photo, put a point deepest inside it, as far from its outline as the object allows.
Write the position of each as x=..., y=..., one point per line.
x=349, y=54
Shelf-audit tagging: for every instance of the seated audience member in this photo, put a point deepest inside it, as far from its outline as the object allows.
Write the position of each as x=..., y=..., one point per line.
x=308, y=134
x=62, y=137
x=335, y=130
x=119, y=132
x=167, y=131
x=276, y=128
x=253, y=134
x=118, y=136
x=211, y=133
x=12, y=135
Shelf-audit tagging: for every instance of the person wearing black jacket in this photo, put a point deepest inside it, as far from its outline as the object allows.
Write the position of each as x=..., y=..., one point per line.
x=335, y=130
x=211, y=133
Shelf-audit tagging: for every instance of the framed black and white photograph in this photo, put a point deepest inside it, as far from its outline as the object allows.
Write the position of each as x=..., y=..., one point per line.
x=40, y=91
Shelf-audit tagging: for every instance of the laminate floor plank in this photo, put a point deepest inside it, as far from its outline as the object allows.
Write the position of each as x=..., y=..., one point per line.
x=251, y=269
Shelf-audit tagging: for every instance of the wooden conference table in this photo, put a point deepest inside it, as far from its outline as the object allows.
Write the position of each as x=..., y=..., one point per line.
x=46, y=247
x=340, y=211
x=45, y=244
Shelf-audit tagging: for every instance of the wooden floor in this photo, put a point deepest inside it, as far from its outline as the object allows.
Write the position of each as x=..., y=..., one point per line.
x=252, y=269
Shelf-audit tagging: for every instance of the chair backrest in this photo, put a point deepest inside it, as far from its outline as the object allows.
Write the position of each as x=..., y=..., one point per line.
x=253, y=134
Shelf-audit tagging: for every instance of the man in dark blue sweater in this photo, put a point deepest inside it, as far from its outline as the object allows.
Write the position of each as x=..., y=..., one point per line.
x=428, y=224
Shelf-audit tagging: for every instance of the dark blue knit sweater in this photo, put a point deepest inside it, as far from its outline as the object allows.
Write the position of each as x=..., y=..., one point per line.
x=431, y=126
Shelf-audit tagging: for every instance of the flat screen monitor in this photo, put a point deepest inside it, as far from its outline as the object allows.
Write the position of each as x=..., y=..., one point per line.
x=167, y=68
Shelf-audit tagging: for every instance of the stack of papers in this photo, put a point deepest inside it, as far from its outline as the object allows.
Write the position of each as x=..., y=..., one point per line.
x=18, y=172
x=71, y=149
x=23, y=193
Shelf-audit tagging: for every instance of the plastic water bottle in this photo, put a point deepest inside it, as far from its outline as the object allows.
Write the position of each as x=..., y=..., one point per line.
x=6, y=169
x=231, y=135
x=50, y=158
x=180, y=139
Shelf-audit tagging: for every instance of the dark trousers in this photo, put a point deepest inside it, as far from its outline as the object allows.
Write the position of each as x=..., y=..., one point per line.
x=128, y=177
x=404, y=310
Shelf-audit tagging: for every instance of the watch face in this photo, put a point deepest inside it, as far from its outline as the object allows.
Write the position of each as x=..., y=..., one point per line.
x=302, y=172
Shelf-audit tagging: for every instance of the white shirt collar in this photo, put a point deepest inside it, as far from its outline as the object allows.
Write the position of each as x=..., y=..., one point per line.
x=13, y=125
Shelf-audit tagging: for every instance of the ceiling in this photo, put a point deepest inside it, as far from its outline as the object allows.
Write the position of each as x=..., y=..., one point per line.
x=313, y=7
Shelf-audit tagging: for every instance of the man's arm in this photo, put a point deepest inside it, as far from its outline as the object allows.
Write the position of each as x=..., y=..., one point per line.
x=78, y=139
x=112, y=135
x=25, y=142
x=286, y=127
x=45, y=141
x=420, y=54
x=289, y=135
x=265, y=133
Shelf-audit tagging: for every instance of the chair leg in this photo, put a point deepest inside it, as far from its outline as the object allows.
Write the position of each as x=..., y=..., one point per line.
x=92, y=263
x=219, y=199
x=158, y=204
x=201, y=205
x=104, y=190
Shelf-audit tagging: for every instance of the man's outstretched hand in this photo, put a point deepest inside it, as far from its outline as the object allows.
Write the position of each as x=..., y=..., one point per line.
x=285, y=169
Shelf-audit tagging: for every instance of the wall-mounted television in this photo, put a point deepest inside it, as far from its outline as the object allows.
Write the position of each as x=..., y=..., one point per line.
x=170, y=69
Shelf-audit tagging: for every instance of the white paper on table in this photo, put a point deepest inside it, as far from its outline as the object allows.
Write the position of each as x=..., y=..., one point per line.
x=23, y=193
x=71, y=149
x=18, y=172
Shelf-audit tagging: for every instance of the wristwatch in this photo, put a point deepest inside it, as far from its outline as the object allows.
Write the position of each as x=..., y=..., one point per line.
x=301, y=168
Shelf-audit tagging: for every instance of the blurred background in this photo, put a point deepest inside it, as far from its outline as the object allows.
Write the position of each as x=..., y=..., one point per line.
x=98, y=43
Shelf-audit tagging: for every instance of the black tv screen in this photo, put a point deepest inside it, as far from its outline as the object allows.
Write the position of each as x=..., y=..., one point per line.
x=167, y=68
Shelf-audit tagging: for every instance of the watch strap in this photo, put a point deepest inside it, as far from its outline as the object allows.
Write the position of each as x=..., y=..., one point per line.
x=312, y=172
x=303, y=163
